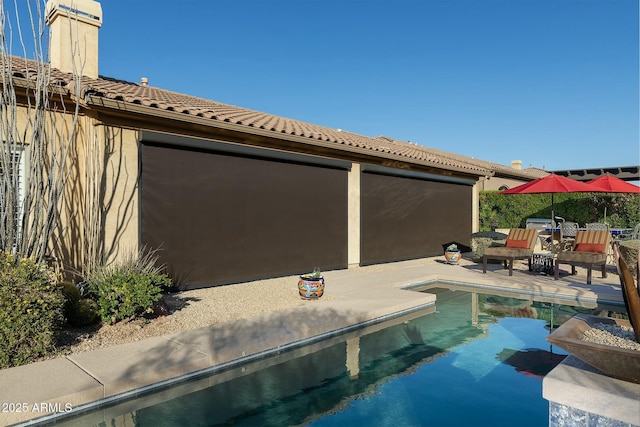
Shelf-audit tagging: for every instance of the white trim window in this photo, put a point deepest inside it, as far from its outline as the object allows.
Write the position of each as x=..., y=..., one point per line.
x=12, y=191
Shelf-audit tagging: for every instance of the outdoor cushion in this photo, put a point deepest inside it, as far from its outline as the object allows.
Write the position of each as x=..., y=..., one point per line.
x=590, y=247
x=512, y=243
x=503, y=252
x=577, y=258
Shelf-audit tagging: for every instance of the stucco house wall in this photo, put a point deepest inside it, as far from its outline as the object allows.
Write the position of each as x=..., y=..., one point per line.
x=117, y=202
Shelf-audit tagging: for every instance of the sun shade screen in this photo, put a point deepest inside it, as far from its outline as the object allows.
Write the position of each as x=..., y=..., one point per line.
x=222, y=218
x=407, y=218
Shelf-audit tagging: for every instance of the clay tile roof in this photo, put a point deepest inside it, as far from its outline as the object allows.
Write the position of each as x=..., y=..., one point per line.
x=163, y=99
x=528, y=173
x=128, y=92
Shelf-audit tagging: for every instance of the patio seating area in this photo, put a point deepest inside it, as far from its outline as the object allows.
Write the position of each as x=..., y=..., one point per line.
x=564, y=241
x=585, y=246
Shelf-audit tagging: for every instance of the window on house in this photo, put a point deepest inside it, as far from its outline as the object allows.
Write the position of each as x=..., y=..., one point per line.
x=12, y=185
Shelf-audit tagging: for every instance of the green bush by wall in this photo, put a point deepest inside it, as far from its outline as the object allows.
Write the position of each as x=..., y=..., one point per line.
x=126, y=294
x=129, y=287
x=31, y=311
x=509, y=211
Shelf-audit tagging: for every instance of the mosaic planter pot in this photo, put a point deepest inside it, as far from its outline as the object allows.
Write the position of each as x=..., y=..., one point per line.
x=311, y=287
x=452, y=257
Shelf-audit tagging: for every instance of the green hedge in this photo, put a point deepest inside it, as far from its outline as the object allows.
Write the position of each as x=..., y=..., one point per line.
x=509, y=211
x=125, y=294
x=129, y=287
x=31, y=311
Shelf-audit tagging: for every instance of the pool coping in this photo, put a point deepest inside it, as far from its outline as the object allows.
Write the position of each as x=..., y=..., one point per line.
x=580, y=394
x=360, y=297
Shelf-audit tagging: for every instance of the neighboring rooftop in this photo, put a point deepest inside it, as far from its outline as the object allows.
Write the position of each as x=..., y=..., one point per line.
x=625, y=173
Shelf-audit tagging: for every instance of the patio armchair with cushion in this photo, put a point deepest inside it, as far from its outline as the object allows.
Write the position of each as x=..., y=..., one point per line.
x=589, y=250
x=519, y=245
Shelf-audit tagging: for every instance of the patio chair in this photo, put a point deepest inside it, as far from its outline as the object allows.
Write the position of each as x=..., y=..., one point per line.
x=633, y=235
x=547, y=243
x=589, y=249
x=568, y=231
x=519, y=245
x=597, y=226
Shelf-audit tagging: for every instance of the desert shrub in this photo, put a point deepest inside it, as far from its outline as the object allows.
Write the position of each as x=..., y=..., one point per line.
x=72, y=298
x=128, y=287
x=123, y=295
x=31, y=311
x=78, y=311
x=85, y=314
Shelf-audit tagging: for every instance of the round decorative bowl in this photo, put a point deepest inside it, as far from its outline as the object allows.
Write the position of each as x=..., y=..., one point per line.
x=311, y=287
x=452, y=257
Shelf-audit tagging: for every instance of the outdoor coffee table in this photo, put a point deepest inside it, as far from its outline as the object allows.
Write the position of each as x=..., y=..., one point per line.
x=542, y=262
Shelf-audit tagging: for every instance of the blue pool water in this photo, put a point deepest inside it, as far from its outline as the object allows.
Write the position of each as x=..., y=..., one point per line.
x=474, y=359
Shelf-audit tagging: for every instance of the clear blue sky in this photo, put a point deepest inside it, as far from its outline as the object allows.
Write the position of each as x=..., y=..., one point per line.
x=553, y=83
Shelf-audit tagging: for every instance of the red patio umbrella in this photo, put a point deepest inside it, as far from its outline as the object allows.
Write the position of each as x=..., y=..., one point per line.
x=553, y=184
x=613, y=184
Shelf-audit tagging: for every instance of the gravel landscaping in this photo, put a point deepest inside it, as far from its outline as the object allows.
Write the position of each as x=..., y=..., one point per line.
x=190, y=310
x=211, y=306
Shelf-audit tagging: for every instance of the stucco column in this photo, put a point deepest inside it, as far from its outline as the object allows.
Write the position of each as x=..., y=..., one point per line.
x=475, y=207
x=353, y=213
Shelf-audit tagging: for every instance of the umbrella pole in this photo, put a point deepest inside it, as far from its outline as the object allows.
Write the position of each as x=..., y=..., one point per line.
x=553, y=222
x=553, y=214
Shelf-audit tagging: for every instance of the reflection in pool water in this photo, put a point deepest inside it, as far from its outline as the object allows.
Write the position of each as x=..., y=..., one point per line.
x=476, y=359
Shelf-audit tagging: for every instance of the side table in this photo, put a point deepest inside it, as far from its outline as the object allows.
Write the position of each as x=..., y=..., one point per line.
x=542, y=262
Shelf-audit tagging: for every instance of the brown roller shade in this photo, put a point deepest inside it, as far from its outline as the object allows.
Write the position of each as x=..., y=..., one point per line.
x=223, y=218
x=407, y=218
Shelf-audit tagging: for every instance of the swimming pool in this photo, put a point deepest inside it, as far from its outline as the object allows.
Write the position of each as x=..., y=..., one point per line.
x=475, y=359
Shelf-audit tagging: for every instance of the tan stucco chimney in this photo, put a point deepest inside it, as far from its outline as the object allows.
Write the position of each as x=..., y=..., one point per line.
x=73, y=28
x=516, y=164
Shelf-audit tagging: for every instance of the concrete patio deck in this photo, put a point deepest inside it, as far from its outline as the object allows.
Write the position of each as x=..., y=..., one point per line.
x=358, y=295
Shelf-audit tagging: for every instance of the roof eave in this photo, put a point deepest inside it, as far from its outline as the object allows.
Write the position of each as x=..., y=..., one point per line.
x=99, y=102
